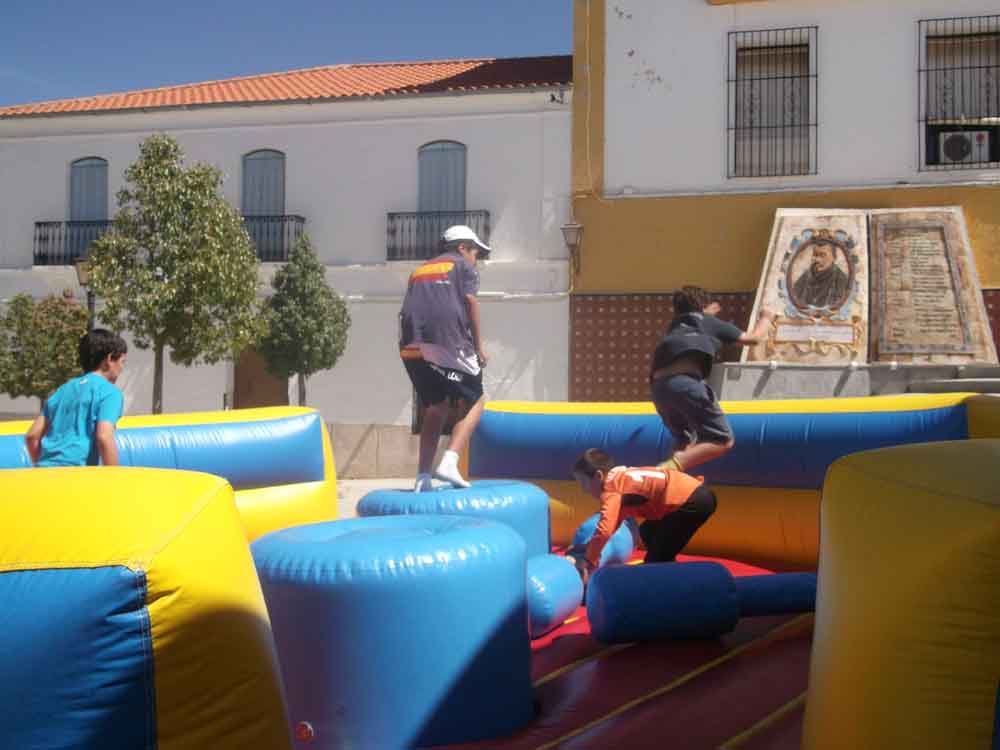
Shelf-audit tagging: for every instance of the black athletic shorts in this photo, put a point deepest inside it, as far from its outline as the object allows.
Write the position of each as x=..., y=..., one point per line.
x=434, y=384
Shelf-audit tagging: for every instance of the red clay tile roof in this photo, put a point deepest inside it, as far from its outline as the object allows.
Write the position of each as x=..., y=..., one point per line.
x=327, y=83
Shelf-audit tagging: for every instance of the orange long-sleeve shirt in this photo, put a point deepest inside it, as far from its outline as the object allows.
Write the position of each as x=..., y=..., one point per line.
x=644, y=492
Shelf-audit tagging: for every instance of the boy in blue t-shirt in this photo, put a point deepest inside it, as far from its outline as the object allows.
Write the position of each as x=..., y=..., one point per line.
x=77, y=423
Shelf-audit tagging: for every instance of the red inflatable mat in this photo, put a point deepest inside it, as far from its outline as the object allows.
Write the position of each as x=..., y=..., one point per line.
x=744, y=691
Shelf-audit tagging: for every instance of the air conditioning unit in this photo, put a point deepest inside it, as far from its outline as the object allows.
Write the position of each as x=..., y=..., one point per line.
x=964, y=146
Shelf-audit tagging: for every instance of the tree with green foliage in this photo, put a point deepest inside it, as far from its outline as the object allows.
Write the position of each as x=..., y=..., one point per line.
x=40, y=344
x=177, y=269
x=307, y=321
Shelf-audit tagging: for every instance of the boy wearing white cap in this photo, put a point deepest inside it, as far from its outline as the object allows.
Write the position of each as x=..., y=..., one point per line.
x=442, y=348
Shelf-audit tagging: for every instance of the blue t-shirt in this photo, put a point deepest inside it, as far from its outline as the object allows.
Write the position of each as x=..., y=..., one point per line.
x=73, y=412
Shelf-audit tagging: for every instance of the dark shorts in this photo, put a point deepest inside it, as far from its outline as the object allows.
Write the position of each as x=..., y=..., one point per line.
x=434, y=384
x=688, y=407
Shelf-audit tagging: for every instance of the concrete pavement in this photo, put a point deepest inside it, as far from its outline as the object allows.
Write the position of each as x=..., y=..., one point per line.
x=350, y=491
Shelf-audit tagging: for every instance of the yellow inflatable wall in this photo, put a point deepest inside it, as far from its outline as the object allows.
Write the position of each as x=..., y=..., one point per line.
x=906, y=652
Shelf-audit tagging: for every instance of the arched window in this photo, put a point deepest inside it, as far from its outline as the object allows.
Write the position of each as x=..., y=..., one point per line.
x=88, y=189
x=263, y=183
x=263, y=203
x=88, y=205
x=441, y=169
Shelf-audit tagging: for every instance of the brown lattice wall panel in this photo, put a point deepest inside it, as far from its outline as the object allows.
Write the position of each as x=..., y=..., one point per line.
x=613, y=337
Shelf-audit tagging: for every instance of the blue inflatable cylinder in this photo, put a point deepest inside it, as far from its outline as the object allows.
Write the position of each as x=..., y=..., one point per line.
x=521, y=505
x=400, y=631
x=619, y=548
x=781, y=593
x=662, y=600
x=554, y=592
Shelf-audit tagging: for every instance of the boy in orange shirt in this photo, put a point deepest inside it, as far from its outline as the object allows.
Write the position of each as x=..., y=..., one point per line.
x=671, y=506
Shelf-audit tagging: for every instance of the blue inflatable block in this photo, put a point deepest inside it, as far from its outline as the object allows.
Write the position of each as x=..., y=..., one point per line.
x=545, y=446
x=400, y=631
x=247, y=454
x=261, y=453
x=521, y=505
x=772, y=450
x=662, y=600
x=781, y=593
x=619, y=548
x=76, y=660
x=13, y=452
x=554, y=592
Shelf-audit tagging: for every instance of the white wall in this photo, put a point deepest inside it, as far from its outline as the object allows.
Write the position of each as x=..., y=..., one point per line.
x=527, y=341
x=347, y=165
x=665, y=92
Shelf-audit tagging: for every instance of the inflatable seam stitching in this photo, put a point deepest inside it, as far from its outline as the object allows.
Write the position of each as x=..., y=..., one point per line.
x=897, y=482
x=203, y=502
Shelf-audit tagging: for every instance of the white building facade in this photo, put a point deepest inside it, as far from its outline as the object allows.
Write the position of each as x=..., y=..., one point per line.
x=372, y=180
x=723, y=96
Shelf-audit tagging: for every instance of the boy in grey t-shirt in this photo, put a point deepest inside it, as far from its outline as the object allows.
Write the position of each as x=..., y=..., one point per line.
x=441, y=348
x=681, y=364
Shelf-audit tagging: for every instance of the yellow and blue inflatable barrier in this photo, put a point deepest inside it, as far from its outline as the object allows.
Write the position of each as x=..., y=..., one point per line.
x=133, y=616
x=278, y=459
x=768, y=486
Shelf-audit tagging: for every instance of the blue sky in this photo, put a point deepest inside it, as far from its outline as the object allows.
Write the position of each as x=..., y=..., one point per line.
x=59, y=49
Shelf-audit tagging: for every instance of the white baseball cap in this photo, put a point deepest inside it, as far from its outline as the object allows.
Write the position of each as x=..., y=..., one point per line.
x=461, y=232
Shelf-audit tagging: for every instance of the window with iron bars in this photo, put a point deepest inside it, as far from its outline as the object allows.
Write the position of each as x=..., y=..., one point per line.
x=959, y=89
x=772, y=85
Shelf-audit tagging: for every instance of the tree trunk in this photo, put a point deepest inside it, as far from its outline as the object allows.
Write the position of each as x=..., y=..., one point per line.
x=158, y=378
x=302, y=389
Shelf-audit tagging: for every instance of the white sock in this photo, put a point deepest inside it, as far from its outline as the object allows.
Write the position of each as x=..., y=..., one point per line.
x=423, y=483
x=447, y=470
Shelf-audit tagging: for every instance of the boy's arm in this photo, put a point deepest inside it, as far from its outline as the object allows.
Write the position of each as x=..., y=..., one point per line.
x=477, y=339
x=107, y=449
x=607, y=524
x=759, y=332
x=33, y=437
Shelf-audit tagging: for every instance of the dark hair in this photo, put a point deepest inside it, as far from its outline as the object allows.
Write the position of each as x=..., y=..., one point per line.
x=690, y=299
x=834, y=247
x=592, y=461
x=97, y=344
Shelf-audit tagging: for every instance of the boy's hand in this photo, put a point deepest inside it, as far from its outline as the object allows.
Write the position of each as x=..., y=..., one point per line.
x=766, y=315
x=712, y=308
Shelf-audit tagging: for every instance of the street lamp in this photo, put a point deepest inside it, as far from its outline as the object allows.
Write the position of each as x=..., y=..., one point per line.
x=572, y=233
x=83, y=277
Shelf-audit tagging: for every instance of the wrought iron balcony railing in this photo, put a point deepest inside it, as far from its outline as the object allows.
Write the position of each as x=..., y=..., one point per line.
x=416, y=235
x=62, y=243
x=274, y=236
